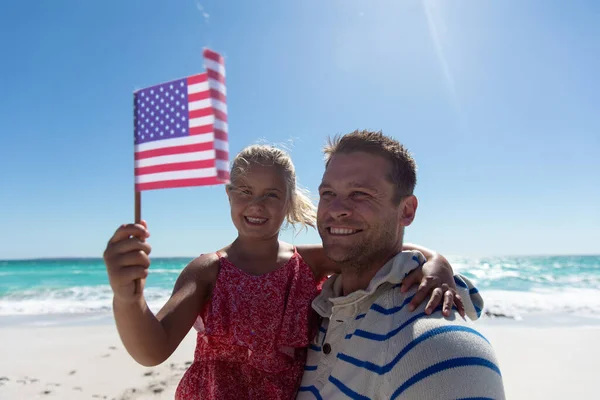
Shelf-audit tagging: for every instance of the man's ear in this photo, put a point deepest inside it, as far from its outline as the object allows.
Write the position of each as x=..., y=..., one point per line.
x=408, y=209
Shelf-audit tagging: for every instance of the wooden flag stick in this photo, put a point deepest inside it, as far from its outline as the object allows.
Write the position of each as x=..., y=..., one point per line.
x=138, y=194
x=138, y=207
x=138, y=219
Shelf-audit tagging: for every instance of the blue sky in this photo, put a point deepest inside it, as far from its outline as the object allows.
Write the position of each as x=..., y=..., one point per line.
x=498, y=101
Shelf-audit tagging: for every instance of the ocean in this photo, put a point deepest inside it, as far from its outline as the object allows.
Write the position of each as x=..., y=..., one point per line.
x=514, y=288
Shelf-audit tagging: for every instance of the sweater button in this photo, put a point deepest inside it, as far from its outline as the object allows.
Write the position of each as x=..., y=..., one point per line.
x=326, y=348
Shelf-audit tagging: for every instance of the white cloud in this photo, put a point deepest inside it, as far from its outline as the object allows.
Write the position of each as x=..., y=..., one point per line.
x=205, y=15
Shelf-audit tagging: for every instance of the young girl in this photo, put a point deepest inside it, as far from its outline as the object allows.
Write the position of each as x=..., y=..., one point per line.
x=249, y=301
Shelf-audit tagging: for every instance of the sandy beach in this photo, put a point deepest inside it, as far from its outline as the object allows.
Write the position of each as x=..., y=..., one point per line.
x=82, y=362
x=89, y=362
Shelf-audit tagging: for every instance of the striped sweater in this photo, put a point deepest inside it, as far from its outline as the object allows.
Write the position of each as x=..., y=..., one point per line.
x=370, y=346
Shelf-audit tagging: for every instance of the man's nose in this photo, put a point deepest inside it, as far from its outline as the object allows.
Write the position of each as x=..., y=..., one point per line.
x=338, y=208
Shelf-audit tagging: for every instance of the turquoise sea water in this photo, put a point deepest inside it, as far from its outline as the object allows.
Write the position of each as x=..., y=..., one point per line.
x=514, y=286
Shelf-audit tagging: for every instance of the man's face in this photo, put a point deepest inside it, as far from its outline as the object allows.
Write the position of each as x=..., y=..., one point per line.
x=358, y=218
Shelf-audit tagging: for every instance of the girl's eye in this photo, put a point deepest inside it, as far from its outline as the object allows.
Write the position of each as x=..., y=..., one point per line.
x=327, y=193
x=273, y=195
x=246, y=191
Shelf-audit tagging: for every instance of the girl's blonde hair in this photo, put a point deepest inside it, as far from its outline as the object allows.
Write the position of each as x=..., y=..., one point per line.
x=301, y=210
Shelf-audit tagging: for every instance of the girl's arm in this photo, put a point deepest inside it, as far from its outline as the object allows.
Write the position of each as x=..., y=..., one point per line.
x=435, y=279
x=151, y=339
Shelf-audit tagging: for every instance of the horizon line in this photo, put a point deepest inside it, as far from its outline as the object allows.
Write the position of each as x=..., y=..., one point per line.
x=58, y=258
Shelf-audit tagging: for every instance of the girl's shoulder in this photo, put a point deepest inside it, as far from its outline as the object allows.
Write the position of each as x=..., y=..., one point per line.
x=320, y=265
x=204, y=268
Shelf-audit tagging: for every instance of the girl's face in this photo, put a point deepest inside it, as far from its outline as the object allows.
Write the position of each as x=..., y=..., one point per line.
x=259, y=201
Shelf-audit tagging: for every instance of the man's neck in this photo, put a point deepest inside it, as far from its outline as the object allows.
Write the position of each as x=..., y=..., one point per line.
x=358, y=277
x=353, y=280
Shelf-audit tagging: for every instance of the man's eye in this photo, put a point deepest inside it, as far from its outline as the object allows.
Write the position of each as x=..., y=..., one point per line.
x=327, y=193
x=246, y=191
x=359, y=194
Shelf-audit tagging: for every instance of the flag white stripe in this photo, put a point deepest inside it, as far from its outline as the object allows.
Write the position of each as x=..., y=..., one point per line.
x=198, y=87
x=222, y=165
x=219, y=105
x=221, y=145
x=205, y=103
x=174, y=175
x=181, y=141
x=175, y=158
x=221, y=125
x=207, y=120
x=218, y=86
x=200, y=104
x=215, y=66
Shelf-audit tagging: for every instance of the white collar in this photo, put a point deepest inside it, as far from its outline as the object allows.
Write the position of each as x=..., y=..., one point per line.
x=392, y=272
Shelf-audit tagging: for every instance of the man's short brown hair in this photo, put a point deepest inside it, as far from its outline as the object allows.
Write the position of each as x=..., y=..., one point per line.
x=404, y=168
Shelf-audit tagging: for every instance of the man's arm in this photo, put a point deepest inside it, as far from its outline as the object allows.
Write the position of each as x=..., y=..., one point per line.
x=437, y=358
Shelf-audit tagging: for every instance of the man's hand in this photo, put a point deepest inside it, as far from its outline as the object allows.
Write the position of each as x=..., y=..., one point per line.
x=435, y=277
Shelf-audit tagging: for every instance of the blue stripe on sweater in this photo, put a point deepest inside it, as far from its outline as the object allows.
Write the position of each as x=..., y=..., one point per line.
x=322, y=329
x=473, y=291
x=445, y=365
x=381, y=337
x=310, y=367
x=346, y=390
x=393, y=310
x=460, y=282
x=389, y=366
x=311, y=389
x=313, y=347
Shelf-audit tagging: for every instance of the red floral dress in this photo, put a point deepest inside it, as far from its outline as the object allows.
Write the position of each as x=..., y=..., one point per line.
x=253, y=334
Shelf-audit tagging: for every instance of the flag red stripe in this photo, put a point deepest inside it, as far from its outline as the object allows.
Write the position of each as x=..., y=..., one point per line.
x=167, y=151
x=199, y=130
x=215, y=94
x=212, y=74
x=203, y=112
x=222, y=174
x=212, y=93
x=198, y=96
x=222, y=155
x=197, y=78
x=221, y=135
x=178, y=183
x=220, y=115
x=214, y=56
x=182, y=166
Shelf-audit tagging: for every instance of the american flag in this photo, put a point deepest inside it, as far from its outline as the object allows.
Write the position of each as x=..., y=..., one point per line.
x=181, y=130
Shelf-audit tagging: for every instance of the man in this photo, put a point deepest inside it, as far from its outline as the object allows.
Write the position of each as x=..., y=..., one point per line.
x=369, y=345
